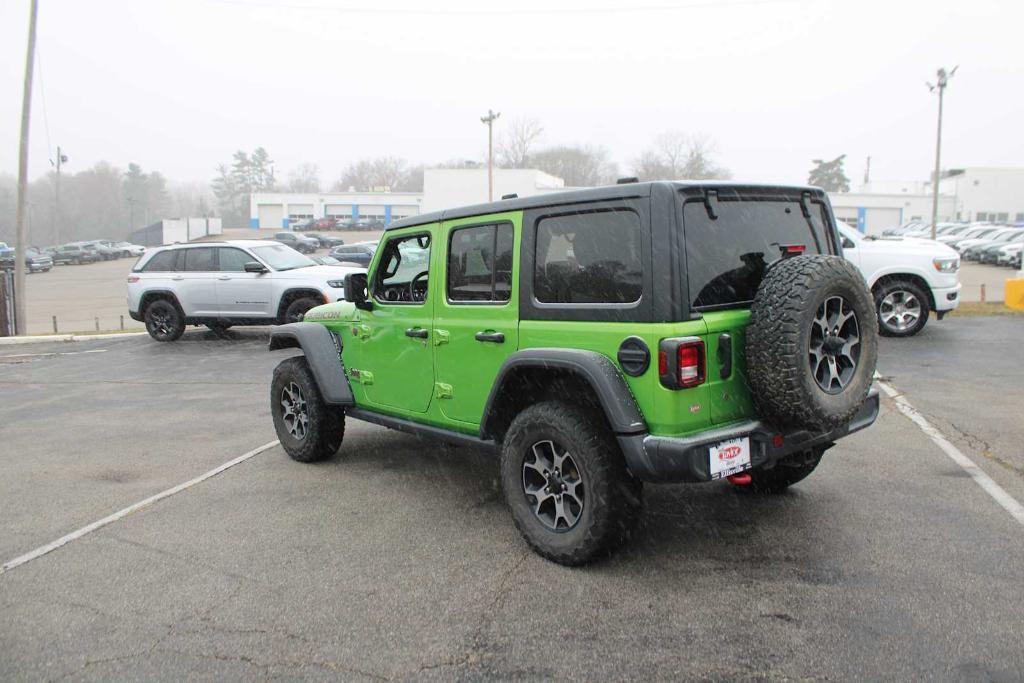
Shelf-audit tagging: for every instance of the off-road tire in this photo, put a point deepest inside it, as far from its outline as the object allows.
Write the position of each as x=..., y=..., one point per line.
x=164, y=322
x=325, y=424
x=612, y=497
x=905, y=286
x=778, y=343
x=297, y=309
x=784, y=474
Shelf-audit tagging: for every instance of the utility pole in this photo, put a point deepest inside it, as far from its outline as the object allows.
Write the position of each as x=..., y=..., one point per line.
x=867, y=171
x=21, y=237
x=489, y=120
x=61, y=160
x=943, y=79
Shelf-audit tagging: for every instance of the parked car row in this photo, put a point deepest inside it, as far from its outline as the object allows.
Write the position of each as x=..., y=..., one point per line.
x=330, y=223
x=36, y=261
x=982, y=242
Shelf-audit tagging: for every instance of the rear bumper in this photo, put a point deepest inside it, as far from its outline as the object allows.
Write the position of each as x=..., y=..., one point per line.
x=686, y=459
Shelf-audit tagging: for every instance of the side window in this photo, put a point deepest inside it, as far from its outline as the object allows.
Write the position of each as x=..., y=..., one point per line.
x=199, y=260
x=589, y=257
x=480, y=263
x=164, y=262
x=233, y=260
x=404, y=270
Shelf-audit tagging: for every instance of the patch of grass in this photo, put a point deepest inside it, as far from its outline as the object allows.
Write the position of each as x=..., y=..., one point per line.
x=968, y=309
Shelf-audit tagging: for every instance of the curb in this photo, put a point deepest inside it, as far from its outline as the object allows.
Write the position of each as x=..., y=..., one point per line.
x=66, y=337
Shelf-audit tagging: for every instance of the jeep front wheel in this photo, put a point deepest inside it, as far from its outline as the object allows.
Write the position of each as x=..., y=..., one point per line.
x=309, y=428
x=566, y=483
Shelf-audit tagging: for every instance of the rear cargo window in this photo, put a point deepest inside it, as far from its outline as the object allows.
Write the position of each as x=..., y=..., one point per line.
x=726, y=257
x=589, y=257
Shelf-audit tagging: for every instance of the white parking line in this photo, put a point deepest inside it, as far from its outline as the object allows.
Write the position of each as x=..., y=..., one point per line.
x=993, y=489
x=99, y=524
x=52, y=353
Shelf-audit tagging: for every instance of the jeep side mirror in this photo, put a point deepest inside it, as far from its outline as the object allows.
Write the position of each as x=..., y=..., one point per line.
x=254, y=267
x=356, y=291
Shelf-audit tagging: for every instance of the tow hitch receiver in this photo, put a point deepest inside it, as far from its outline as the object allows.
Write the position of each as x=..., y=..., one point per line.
x=741, y=479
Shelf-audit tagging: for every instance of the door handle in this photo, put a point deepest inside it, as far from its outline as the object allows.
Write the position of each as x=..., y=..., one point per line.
x=725, y=355
x=177, y=278
x=495, y=337
x=417, y=333
x=224, y=277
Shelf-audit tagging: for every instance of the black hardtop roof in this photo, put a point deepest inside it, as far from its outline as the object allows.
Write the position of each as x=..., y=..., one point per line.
x=594, y=194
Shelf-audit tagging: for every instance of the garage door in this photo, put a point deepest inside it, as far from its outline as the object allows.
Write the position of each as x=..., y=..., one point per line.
x=338, y=210
x=271, y=216
x=878, y=220
x=300, y=210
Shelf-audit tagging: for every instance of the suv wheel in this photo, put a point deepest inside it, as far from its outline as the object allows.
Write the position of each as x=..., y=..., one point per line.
x=566, y=483
x=297, y=309
x=163, y=321
x=902, y=308
x=310, y=430
x=812, y=342
x=786, y=472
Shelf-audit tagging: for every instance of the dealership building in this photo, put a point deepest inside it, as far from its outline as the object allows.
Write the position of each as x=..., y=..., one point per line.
x=967, y=194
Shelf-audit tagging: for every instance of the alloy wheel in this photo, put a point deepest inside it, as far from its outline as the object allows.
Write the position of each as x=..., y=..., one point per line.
x=834, y=349
x=553, y=485
x=899, y=310
x=294, y=411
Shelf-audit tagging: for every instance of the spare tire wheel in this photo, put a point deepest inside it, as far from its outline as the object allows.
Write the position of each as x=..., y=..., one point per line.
x=812, y=342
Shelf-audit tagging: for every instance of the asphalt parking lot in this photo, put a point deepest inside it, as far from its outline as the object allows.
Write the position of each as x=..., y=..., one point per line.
x=397, y=560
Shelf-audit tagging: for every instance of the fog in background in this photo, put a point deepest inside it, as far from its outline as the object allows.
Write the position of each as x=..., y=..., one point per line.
x=178, y=85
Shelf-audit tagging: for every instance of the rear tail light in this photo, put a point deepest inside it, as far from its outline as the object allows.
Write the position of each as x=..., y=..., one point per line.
x=691, y=364
x=681, y=362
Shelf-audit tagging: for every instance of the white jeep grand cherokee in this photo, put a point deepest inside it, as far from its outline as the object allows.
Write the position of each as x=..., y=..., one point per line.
x=220, y=284
x=908, y=277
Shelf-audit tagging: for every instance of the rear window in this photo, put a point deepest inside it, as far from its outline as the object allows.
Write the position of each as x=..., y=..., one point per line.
x=726, y=257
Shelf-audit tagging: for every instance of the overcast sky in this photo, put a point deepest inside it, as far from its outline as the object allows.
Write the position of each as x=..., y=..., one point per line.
x=178, y=85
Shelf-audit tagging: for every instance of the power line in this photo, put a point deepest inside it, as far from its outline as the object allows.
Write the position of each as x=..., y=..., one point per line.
x=549, y=11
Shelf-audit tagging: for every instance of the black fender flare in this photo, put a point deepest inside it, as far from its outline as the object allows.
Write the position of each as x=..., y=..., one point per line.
x=596, y=369
x=323, y=350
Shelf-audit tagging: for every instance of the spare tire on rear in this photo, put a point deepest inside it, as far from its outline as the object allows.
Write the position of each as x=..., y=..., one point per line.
x=812, y=342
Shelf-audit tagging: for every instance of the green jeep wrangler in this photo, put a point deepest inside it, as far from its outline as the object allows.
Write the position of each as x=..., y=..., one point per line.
x=598, y=339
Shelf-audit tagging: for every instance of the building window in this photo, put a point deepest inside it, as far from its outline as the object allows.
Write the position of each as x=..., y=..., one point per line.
x=981, y=216
x=1002, y=217
x=1020, y=218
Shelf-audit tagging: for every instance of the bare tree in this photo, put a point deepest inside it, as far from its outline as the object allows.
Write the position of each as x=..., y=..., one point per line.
x=304, y=178
x=517, y=140
x=372, y=174
x=577, y=165
x=677, y=155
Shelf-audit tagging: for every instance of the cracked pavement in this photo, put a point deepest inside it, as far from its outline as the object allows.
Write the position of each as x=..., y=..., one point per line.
x=396, y=560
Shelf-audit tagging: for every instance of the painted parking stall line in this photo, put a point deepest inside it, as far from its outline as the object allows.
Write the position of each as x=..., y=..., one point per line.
x=998, y=493
x=120, y=514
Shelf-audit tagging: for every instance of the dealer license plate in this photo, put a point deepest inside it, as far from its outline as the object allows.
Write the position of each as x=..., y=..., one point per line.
x=729, y=457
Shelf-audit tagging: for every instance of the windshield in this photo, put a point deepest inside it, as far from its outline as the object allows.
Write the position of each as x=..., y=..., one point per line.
x=281, y=257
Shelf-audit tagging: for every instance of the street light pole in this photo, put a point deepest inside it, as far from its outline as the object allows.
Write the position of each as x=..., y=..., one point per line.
x=943, y=79
x=61, y=160
x=489, y=120
x=20, y=233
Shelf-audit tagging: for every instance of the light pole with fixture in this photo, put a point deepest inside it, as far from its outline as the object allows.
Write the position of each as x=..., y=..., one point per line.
x=489, y=120
x=940, y=85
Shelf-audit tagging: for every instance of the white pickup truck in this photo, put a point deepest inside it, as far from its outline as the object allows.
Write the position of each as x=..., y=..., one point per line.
x=220, y=284
x=908, y=277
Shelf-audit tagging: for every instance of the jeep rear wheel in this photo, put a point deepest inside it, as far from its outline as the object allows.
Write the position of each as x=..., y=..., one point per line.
x=566, y=483
x=164, y=321
x=310, y=429
x=812, y=342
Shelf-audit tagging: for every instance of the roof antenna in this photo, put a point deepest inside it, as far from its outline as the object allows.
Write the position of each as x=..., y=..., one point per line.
x=510, y=195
